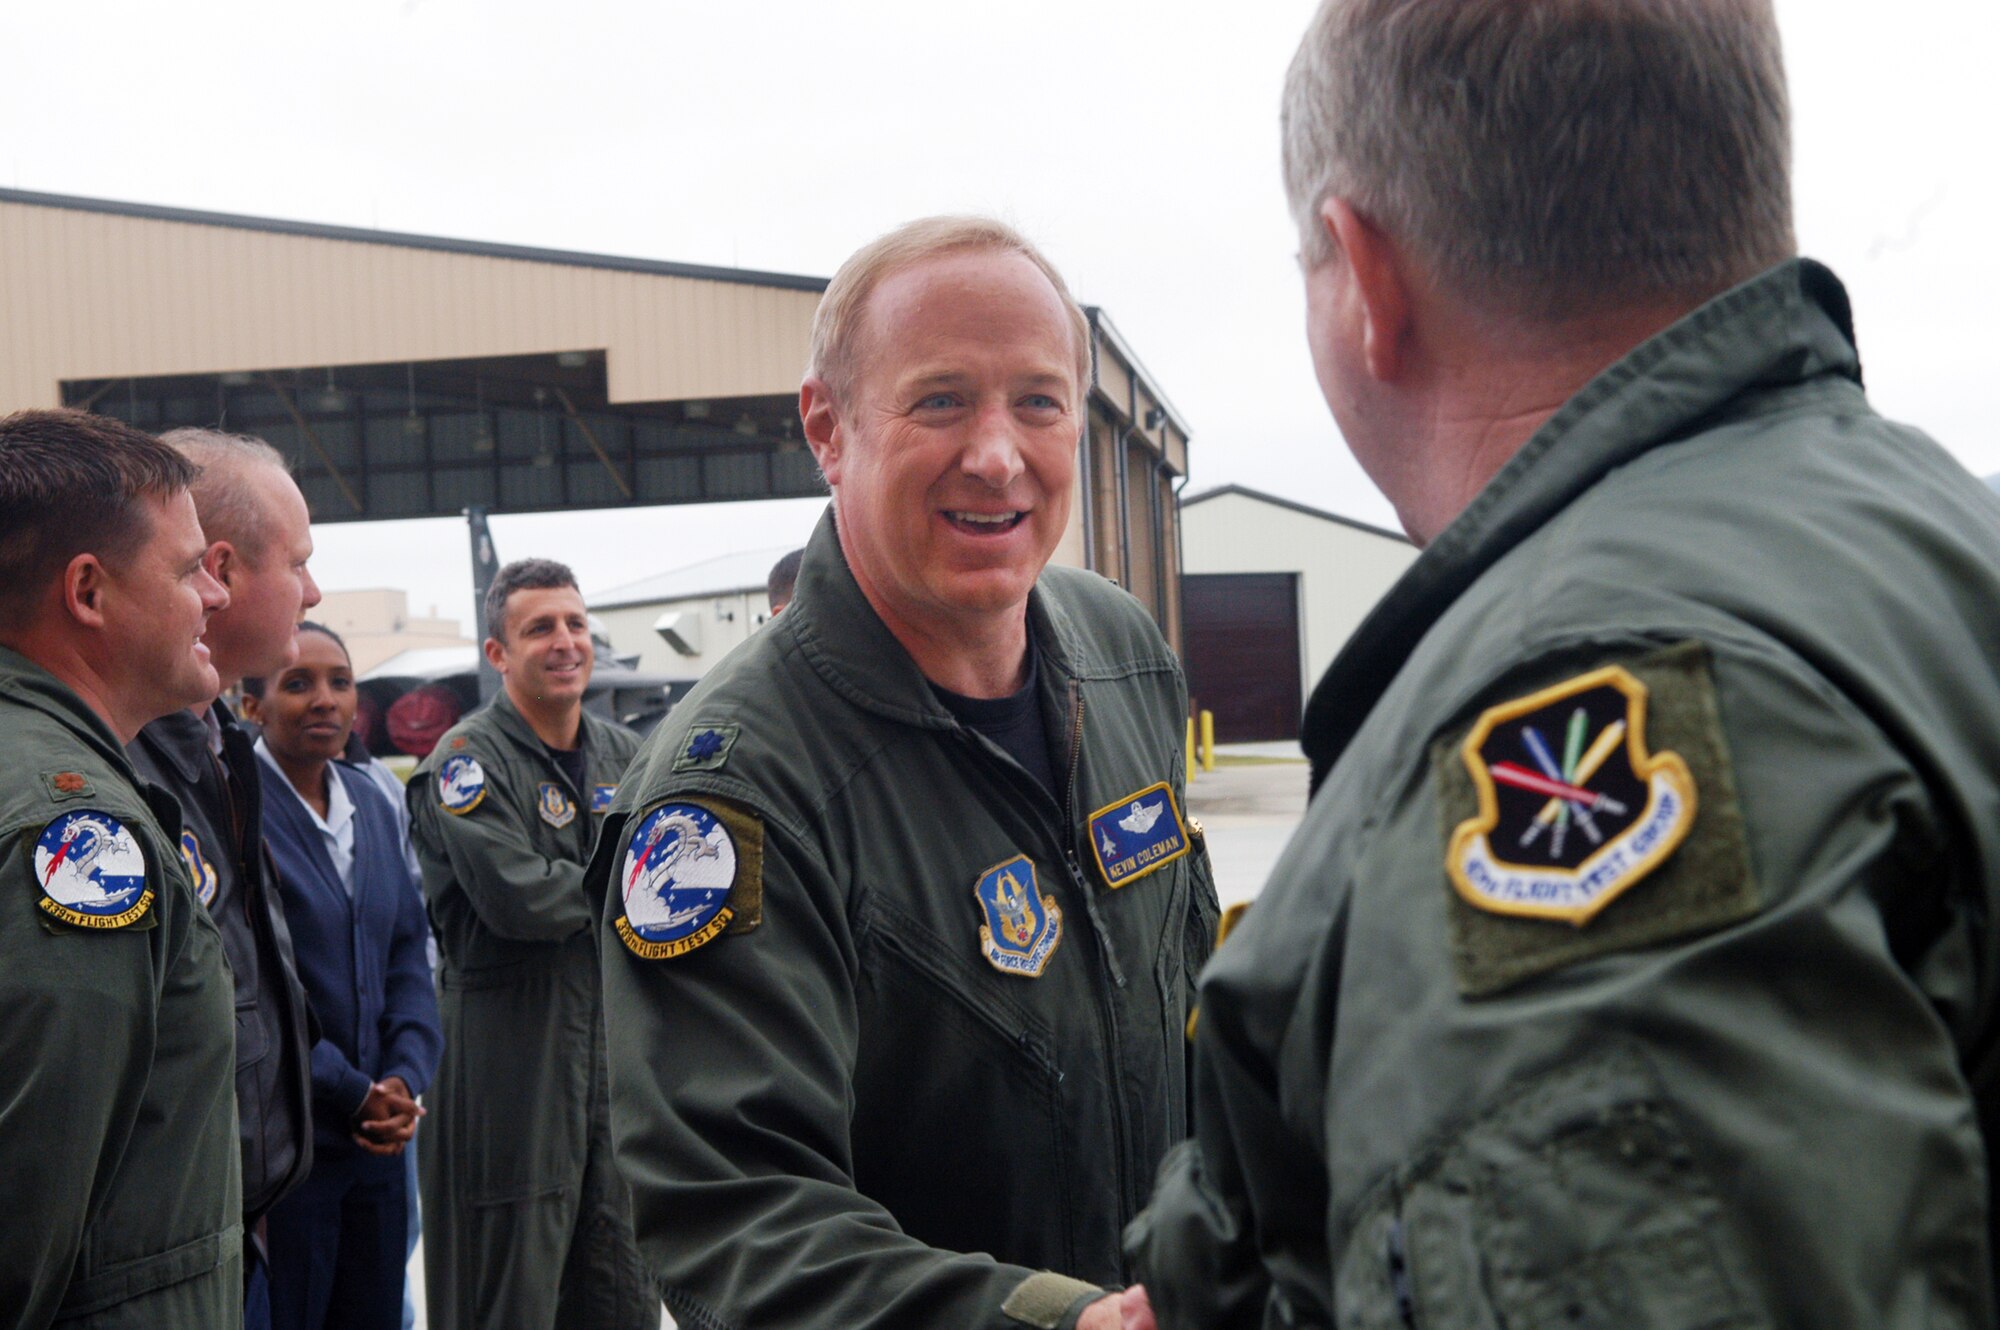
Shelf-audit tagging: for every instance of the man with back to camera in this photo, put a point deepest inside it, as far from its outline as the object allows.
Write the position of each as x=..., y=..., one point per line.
x=119, y=1169
x=901, y=913
x=1631, y=966
x=259, y=539
x=526, y=1222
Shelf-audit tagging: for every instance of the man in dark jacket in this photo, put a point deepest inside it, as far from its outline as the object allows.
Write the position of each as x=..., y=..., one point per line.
x=901, y=905
x=259, y=539
x=1634, y=963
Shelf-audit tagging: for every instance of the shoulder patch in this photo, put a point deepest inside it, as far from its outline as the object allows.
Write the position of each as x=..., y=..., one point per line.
x=66, y=785
x=706, y=748
x=552, y=801
x=1574, y=826
x=461, y=783
x=691, y=871
x=91, y=871
x=200, y=871
x=1137, y=834
x=1023, y=928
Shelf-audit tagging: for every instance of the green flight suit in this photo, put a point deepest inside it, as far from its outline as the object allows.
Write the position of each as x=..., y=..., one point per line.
x=841, y=1111
x=120, y=1181
x=1747, y=1090
x=526, y=1224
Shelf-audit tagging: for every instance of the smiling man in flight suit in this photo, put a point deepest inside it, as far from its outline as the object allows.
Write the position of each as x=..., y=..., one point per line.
x=902, y=908
x=526, y=1223
x=119, y=1174
x=1634, y=964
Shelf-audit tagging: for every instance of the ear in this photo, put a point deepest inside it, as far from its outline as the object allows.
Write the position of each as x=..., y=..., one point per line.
x=83, y=590
x=220, y=560
x=1380, y=286
x=821, y=420
x=496, y=655
x=251, y=707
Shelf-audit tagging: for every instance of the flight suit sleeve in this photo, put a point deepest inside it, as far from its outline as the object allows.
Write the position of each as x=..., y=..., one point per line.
x=518, y=892
x=731, y=1094
x=1748, y=1116
x=74, y=1048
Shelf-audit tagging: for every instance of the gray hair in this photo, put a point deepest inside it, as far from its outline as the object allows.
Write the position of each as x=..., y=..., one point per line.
x=837, y=322
x=1549, y=158
x=228, y=507
x=521, y=575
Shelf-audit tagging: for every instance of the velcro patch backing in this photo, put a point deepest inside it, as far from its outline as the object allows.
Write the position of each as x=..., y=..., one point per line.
x=1042, y=1299
x=1704, y=883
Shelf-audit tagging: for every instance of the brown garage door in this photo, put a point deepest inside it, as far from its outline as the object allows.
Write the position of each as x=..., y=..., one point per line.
x=1242, y=635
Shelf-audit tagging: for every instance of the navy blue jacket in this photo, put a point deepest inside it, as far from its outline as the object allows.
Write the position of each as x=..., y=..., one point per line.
x=362, y=960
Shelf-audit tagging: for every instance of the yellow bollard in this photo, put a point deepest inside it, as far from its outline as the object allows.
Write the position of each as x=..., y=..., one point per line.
x=1208, y=741
x=1190, y=750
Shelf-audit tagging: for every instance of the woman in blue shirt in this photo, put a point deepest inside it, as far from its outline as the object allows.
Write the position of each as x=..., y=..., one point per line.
x=337, y=1244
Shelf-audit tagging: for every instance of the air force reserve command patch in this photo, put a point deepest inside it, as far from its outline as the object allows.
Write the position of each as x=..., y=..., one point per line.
x=1137, y=834
x=461, y=784
x=689, y=872
x=1610, y=789
x=1023, y=927
x=92, y=871
x=200, y=871
x=555, y=805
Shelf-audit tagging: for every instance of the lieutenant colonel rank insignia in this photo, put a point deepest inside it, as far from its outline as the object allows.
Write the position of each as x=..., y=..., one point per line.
x=200, y=871
x=1137, y=834
x=461, y=784
x=706, y=748
x=689, y=872
x=1562, y=804
x=601, y=797
x=555, y=805
x=1023, y=927
x=92, y=871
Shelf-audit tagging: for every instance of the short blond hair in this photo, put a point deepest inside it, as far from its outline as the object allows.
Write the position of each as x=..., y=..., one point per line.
x=224, y=501
x=837, y=323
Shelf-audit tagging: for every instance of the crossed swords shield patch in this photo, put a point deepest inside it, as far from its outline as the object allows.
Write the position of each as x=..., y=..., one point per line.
x=1573, y=809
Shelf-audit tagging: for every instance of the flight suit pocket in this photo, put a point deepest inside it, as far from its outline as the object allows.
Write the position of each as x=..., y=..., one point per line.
x=1577, y=1202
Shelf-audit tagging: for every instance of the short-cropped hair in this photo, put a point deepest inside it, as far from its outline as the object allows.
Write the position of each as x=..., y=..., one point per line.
x=73, y=483
x=1549, y=158
x=521, y=575
x=784, y=578
x=838, y=322
x=228, y=506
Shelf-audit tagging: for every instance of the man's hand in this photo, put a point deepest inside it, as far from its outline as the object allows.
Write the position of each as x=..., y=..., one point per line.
x=1129, y=1310
x=387, y=1118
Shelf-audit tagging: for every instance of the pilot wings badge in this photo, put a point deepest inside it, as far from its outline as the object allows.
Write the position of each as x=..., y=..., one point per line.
x=1137, y=834
x=92, y=871
x=1573, y=810
x=1023, y=927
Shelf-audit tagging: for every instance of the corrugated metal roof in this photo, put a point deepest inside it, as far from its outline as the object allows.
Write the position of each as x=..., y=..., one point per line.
x=722, y=575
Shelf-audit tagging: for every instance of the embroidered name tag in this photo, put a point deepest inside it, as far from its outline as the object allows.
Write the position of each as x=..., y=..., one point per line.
x=1573, y=810
x=1138, y=834
x=461, y=784
x=92, y=871
x=1023, y=927
x=555, y=805
x=601, y=797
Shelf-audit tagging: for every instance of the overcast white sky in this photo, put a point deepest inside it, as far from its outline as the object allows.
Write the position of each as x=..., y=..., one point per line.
x=1136, y=139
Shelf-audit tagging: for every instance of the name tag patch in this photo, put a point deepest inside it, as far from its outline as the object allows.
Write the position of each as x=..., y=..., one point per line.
x=1138, y=834
x=555, y=805
x=200, y=871
x=461, y=784
x=92, y=871
x=601, y=797
x=1573, y=811
x=1023, y=927
x=679, y=869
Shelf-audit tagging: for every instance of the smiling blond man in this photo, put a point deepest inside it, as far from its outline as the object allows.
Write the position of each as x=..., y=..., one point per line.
x=895, y=1042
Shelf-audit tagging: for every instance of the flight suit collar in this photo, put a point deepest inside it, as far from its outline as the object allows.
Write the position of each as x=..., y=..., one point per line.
x=1791, y=324
x=180, y=739
x=507, y=719
x=846, y=642
x=31, y=685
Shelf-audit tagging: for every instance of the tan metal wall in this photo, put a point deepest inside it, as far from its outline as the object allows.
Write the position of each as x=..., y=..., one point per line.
x=88, y=295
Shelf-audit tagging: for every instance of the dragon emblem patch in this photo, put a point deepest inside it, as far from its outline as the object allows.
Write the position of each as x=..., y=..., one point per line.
x=675, y=880
x=92, y=871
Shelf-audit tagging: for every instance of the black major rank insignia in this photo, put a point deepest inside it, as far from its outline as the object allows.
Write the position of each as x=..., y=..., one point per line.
x=1572, y=808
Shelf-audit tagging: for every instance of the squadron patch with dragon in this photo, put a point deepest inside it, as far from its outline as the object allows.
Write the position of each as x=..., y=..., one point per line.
x=91, y=871
x=690, y=871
